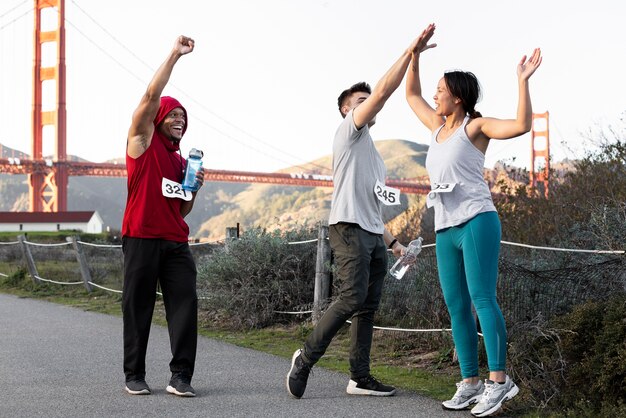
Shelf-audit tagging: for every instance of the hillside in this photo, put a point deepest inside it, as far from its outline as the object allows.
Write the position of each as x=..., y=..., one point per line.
x=220, y=205
x=272, y=207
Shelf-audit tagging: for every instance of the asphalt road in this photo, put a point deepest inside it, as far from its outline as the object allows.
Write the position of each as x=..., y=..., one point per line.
x=57, y=361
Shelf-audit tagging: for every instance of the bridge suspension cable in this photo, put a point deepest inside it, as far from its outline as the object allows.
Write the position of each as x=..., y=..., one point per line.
x=3, y=15
x=17, y=6
x=197, y=102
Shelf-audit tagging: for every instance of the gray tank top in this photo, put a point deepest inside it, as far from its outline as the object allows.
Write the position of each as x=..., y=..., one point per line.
x=458, y=165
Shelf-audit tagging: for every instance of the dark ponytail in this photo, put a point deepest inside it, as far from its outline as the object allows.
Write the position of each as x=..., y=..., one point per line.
x=473, y=113
x=464, y=85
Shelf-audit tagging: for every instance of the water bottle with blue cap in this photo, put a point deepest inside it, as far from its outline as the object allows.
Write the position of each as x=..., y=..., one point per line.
x=194, y=163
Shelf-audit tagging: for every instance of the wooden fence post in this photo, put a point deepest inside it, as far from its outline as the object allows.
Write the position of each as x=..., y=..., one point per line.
x=30, y=263
x=232, y=233
x=321, y=293
x=82, y=262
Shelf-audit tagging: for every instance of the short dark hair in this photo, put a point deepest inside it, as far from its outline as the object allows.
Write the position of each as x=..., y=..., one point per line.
x=361, y=87
x=465, y=86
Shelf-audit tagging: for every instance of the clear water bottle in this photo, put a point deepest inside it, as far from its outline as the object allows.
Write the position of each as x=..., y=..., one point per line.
x=194, y=162
x=404, y=262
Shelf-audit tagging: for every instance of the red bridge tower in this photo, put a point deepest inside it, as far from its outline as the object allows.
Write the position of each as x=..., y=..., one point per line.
x=540, y=153
x=48, y=188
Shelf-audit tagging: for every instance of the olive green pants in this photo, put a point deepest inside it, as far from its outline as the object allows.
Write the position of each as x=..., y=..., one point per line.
x=361, y=260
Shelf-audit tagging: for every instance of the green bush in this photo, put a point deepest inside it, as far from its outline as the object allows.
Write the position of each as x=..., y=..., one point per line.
x=243, y=284
x=595, y=351
x=15, y=279
x=575, y=365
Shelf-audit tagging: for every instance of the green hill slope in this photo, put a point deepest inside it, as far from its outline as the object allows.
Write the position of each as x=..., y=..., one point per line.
x=221, y=205
x=272, y=206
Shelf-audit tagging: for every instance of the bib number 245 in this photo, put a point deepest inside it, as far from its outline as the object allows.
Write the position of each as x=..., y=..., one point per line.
x=387, y=195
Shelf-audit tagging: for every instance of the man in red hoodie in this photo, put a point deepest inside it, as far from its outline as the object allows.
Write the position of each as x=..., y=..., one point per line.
x=155, y=235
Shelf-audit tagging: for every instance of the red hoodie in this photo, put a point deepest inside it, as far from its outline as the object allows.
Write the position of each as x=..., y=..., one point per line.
x=148, y=213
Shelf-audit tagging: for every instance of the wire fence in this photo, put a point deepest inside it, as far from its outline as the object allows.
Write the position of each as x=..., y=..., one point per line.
x=533, y=280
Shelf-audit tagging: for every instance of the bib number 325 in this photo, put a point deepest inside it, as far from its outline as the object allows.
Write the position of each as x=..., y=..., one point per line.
x=387, y=195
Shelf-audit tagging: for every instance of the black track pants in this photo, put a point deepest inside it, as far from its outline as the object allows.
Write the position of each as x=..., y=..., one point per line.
x=171, y=263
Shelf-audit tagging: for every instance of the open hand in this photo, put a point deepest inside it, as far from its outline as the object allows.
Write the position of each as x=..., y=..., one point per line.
x=420, y=44
x=527, y=67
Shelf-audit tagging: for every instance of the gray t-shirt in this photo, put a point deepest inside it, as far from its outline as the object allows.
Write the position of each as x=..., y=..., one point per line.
x=357, y=166
x=457, y=161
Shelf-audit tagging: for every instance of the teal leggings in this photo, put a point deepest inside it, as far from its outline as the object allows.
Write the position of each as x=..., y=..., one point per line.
x=467, y=258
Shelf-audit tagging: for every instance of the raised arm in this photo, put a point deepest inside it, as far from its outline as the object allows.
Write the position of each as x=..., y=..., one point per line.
x=142, y=128
x=370, y=107
x=418, y=104
x=510, y=128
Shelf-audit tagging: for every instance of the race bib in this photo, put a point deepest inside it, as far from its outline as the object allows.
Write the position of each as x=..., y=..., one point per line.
x=388, y=195
x=437, y=188
x=174, y=190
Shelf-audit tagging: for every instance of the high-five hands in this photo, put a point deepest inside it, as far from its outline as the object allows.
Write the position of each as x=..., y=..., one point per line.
x=420, y=44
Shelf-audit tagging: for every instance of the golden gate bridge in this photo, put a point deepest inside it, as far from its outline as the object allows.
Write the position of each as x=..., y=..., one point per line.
x=48, y=178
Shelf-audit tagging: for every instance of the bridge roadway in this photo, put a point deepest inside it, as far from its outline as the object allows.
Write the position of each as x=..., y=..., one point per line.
x=58, y=361
x=76, y=168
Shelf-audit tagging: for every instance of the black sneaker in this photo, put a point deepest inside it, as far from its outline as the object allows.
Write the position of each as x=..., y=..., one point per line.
x=298, y=375
x=137, y=387
x=369, y=386
x=180, y=385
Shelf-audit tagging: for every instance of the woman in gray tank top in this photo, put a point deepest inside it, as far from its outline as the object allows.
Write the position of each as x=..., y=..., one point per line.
x=466, y=222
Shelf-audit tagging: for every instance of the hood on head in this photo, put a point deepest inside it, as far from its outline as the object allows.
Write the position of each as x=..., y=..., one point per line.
x=167, y=105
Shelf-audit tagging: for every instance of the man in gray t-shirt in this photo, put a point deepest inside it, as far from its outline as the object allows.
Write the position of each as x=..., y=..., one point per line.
x=357, y=167
x=358, y=237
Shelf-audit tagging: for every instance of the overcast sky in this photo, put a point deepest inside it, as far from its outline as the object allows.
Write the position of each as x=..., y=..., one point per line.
x=262, y=83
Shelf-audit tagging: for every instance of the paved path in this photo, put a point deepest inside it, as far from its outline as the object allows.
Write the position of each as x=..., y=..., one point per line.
x=57, y=361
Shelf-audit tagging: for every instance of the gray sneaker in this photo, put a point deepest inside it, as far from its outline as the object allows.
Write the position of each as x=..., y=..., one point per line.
x=494, y=396
x=466, y=395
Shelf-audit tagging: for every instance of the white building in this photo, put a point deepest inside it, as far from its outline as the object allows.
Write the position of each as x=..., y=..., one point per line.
x=88, y=222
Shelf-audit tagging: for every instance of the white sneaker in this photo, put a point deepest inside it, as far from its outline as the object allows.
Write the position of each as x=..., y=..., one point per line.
x=466, y=395
x=494, y=396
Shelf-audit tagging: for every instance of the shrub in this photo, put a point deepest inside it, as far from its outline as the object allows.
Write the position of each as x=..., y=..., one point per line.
x=585, y=207
x=251, y=278
x=595, y=352
x=16, y=279
x=576, y=364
